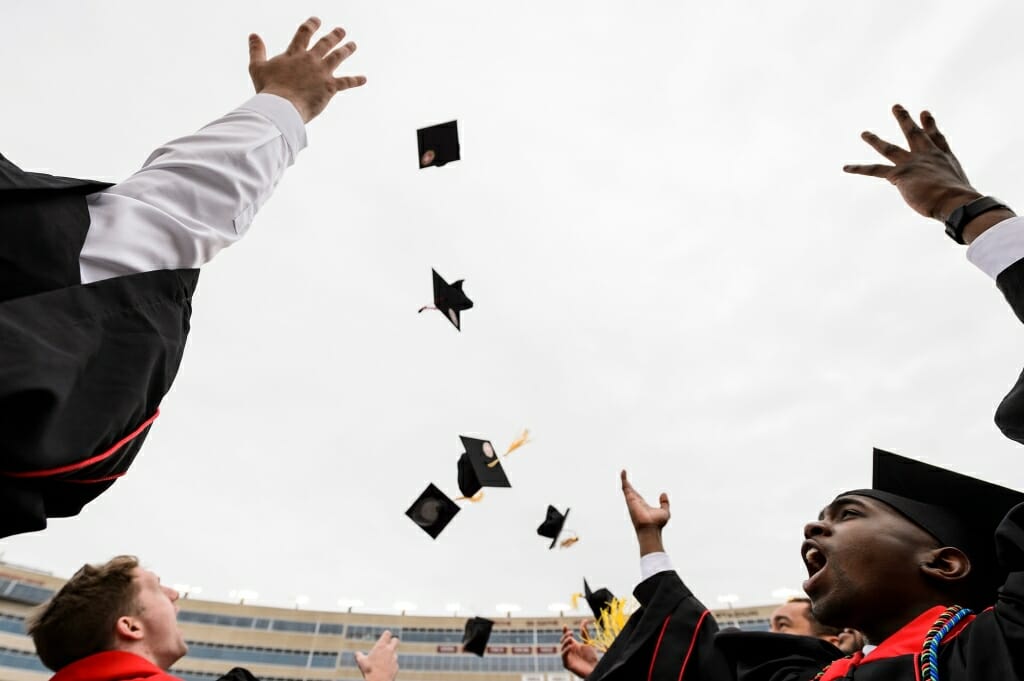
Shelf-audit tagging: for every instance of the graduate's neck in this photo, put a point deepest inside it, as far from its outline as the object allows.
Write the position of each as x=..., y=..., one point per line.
x=879, y=629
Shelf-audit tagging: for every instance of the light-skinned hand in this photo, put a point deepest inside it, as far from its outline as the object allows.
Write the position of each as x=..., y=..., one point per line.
x=381, y=664
x=577, y=657
x=303, y=75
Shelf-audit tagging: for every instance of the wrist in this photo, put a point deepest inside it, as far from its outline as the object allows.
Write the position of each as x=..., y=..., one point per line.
x=953, y=200
x=295, y=101
x=650, y=541
x=975, y=228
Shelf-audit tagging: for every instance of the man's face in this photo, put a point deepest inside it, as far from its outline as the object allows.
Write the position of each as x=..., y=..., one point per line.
x=158, y=614
x=863, y=560
x=791, y=618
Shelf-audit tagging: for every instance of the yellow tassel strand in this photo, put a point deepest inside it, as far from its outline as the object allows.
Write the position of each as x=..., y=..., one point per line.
x=473, y=499
x=516, y=444
x=568, y=541
x=611, y=622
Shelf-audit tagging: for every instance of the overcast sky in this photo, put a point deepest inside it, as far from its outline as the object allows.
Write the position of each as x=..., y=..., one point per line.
x=671, y=274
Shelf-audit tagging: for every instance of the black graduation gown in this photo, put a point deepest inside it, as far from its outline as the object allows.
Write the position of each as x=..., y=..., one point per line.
x=83, y=368
x=670, y=637
x=1010, y=413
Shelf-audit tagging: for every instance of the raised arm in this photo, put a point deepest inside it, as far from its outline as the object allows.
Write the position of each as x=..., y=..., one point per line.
x=198, y=194
x=932, y=182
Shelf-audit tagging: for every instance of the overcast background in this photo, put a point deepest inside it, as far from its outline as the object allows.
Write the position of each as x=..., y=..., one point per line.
x=670, y=272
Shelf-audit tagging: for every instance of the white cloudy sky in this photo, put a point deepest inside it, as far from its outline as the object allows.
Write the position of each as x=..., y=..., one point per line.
x=671, y=274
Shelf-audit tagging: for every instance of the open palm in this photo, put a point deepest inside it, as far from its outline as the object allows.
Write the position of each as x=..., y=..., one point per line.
x=643, y=515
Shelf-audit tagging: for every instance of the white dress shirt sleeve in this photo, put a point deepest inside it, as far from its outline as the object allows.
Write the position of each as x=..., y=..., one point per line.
x=654, y=563
x=998, y=247
x=194, y=195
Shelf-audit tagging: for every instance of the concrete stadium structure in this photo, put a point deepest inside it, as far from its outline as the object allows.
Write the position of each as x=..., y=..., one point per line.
x=283, y=644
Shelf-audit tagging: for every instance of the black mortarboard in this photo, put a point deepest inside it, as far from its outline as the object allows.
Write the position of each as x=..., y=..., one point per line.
x=475, y=470
x=449, y=299
x=597, y=600
x=438, y=144
x=958, y=510
x=478, y=632
x=552, y=525
x=433, y=510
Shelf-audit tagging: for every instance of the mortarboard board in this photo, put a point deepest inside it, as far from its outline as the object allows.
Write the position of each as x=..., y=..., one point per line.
x=552, y=525
x=432, y=511
x=438, y=144
x=597, y=600
x=449, y=299
x=958, y=510
x=474, y=469
x=478, y=632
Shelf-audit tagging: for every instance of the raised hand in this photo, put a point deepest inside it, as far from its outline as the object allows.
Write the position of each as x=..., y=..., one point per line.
x=577, y=657
x=382, y=662
x=643, y=515
x=302, y=75
x=928, y=175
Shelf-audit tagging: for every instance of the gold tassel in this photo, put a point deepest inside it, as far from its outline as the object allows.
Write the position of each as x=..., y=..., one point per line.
x=568, y=541
x=611, y=622
x=516, y=444
x=473, y=499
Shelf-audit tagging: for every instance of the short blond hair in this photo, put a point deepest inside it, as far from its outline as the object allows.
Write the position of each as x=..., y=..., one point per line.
x=79, y=620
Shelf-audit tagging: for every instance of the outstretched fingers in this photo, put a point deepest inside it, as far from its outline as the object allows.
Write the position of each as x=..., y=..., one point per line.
x=303, y=35
x=916, y=137
x=932, y=130
x=874, y=170
x=328, y=42
x=888, y=149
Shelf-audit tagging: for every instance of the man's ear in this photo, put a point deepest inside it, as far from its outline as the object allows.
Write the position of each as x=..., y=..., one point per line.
x=834, y=640
x=128, y=629
x=946, y=564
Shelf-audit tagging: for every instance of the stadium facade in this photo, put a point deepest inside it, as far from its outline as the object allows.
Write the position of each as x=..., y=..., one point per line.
x=282, y=644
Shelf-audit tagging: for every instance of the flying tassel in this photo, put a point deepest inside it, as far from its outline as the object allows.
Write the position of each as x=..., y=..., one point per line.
x=569, y=541
x=476, y=498
x=516, y=444
x=575, y=600
x=608, y=626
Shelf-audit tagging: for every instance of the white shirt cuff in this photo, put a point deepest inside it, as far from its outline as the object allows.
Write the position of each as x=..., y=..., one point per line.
x=654, y=563
x=998, y=247
x=284, y=115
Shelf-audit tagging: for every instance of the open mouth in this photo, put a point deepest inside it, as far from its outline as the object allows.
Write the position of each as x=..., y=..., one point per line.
x=814, y=559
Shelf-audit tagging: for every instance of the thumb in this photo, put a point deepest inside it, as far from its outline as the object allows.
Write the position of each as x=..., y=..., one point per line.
x=257, y=50
x=663, y=500
x=361, y=660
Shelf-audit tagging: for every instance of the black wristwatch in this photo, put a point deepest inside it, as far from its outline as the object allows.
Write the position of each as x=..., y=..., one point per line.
x=959, y=218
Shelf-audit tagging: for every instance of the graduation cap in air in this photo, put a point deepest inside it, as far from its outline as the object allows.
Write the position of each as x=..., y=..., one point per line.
x=432, y=511
x=438, y=144
x=449, y=299
x=478, y=632
x=476, y=469
x=597, y=600
x=553, y=524
x=958, y=510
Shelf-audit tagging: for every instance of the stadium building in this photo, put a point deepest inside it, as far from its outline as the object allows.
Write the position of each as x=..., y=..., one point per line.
x=282, y=644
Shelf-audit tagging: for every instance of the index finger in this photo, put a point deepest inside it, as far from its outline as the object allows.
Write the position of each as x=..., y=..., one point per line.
x=916, y=138
x=303, y=35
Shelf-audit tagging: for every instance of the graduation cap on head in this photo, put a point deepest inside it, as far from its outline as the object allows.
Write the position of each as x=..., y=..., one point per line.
x=449, y=299
x=958, y=510
x=478, y=632
x=553, y=524
x=438, y=144
x=433, y=510
x=475, y=469
x=597, y=600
